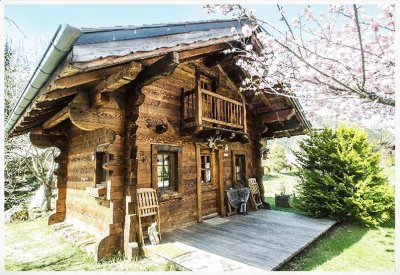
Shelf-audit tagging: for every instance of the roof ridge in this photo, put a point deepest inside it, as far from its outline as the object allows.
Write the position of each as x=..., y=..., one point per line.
x=155, y=25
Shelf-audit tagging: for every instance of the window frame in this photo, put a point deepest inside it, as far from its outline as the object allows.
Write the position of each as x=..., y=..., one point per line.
x=175, y=151
x=242, y=155
x=101, y=157
x=205, y=169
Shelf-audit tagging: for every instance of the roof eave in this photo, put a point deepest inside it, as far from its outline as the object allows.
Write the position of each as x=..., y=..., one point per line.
x=60, y=45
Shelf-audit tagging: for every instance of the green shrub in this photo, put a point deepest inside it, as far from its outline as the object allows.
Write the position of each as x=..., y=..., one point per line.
x=21, y=215
x=277, y=159
x=340, y=177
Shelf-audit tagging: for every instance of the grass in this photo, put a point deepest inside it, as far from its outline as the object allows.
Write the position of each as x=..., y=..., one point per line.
x=274, y=183
x=349, y=247
x=32, y=245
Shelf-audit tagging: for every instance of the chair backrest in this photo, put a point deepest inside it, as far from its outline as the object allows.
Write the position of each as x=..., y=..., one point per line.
x=253, y=185
x=147, y=201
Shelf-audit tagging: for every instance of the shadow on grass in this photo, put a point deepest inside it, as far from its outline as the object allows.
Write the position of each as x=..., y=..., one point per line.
x=53, y=264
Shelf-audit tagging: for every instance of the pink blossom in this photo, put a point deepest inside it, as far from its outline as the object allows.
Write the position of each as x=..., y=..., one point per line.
x=249, y=47
x=246, y=30
x=308, y=13
x=374, y=26
x=296, y=22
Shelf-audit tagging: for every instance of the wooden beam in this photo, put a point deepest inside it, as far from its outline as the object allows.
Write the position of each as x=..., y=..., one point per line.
x=159, y=69
x=187, y=55
x=291, y=124
x=279, y=115
x=57, y=94
x=265, y=100
x=79, y=79
x=119, y=79
x=217, y=58
x=57, y=118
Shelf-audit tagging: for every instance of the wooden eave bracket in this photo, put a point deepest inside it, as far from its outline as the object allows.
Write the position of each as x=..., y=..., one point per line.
x=119, y=79
x=57, y=118
x=278, y=116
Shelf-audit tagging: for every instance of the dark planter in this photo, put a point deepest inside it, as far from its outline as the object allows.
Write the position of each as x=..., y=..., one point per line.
x=282, y=201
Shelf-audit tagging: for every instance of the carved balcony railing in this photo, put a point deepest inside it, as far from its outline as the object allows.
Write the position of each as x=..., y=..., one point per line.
x=204, y=109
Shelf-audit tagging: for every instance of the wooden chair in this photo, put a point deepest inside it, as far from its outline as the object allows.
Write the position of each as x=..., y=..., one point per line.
x=255, y=195
x=147, y=206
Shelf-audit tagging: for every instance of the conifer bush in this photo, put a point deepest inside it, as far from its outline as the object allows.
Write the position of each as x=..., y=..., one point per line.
x=340, y=178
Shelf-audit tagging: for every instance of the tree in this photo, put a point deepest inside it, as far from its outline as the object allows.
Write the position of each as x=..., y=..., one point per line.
x=341, y=60
x=25, y=165
x=340, y=177
x=277, y=157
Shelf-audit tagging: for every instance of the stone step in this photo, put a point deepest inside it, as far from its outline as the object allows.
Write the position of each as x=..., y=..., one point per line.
x=84, y=240
x=61, y=226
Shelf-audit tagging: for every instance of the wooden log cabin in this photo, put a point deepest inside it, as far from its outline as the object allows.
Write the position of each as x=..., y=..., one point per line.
x=147, y=107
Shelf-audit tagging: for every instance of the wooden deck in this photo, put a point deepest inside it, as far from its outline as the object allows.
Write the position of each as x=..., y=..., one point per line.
x=262, y=240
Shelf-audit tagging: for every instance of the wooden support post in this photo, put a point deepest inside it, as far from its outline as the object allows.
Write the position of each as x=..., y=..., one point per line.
x=199, y=105
x=244, y=117
x=221, y=183
x=198, y=180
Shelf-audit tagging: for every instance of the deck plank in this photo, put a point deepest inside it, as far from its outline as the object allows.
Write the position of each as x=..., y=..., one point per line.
x=262, y=240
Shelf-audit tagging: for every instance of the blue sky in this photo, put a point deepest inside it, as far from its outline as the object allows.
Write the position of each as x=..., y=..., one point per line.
x=39, y=22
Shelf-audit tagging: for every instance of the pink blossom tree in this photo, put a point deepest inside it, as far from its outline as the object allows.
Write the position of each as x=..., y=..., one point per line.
x=339, y=63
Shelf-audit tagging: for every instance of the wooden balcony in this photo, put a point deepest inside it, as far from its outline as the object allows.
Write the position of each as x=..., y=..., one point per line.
x=203, y=109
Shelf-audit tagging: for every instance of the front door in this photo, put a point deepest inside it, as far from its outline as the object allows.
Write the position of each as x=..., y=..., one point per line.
x=209, y=182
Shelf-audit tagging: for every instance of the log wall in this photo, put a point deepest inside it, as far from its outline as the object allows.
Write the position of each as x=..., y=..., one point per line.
x=99, y=211
x=162, y=105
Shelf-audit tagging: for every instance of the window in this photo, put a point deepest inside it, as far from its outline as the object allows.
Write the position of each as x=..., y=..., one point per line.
x=102, y=175
x=205, y=168
x=205, y=83
x=240, y=168
x=164, y=166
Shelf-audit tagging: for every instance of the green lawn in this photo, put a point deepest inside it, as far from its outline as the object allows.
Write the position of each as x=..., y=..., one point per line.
x=347, y=247
x=32, y=245
x=275, y=182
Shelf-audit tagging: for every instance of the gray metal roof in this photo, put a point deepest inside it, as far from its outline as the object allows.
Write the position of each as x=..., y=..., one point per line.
x=100, y=35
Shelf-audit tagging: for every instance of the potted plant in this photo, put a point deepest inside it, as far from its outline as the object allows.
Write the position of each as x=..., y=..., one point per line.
x=282, y=200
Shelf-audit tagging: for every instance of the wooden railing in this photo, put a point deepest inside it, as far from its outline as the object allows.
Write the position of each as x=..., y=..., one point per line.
x=211, y=110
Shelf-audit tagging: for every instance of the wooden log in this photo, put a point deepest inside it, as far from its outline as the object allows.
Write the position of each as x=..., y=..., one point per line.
x=79, y=79
x=57, y=94
x=279, y=115
x=89, y=119
x=119, y=79
x=57, y=118
x=159, y=69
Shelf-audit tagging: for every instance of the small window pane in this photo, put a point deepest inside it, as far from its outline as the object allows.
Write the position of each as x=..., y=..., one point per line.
x=166, y=183
x=208, y=176
x=159, y=159
x=159, y=171
x=166, y=160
